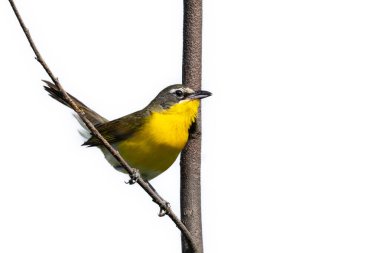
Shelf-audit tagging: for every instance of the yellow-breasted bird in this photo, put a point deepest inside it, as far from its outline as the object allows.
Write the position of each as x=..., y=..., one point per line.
x=150, y=139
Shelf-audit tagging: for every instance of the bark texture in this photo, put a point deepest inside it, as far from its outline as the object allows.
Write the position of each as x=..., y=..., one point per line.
x=191, y=155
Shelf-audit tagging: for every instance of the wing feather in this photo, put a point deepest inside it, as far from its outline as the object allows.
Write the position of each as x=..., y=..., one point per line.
x=119, y=129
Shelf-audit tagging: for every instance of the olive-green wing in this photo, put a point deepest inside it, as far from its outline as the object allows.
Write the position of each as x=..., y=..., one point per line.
x=119, y=129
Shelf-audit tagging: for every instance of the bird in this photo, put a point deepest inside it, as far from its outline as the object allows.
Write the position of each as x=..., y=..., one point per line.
x=150, y=139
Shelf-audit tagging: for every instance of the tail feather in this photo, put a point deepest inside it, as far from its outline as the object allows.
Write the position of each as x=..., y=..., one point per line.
x=55, y=93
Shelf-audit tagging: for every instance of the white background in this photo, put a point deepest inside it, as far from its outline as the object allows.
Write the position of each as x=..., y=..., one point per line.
x=291, y=137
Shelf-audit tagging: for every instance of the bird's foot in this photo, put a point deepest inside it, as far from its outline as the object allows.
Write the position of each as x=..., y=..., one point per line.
x=133, y=177
x=165, y=209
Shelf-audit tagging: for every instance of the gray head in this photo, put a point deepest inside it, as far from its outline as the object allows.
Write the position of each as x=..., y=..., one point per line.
x=177, y=93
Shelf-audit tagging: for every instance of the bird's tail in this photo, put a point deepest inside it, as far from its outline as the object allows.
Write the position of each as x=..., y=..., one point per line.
x=55, y=93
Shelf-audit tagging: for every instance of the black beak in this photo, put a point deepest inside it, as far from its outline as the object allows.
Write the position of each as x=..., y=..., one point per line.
x=200, y=94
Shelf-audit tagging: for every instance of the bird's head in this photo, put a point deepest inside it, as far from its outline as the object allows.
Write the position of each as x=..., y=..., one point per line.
x=177, y=93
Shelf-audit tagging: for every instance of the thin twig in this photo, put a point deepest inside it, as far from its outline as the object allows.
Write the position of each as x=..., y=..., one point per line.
x=164, y=207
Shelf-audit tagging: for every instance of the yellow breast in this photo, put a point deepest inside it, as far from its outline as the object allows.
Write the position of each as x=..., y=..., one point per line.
x=156, y=146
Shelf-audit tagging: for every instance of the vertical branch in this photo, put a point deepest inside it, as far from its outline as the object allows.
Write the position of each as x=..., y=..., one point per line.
x=191, y=155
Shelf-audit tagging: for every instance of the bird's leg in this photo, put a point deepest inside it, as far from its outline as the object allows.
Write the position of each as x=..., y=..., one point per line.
x=163, y=210
x=164, y=205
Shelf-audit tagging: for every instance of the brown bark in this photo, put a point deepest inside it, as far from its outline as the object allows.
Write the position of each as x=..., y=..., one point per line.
x=191, y=155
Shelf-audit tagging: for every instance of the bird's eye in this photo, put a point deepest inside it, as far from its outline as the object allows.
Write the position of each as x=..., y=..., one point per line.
x=179, y=93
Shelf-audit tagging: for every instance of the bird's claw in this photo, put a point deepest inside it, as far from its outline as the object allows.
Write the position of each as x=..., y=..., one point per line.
x=164, y=210
x=133, y=177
